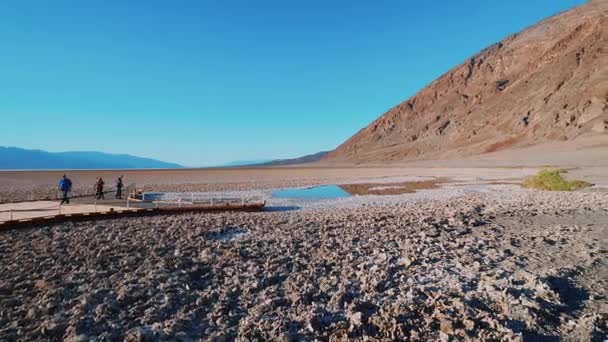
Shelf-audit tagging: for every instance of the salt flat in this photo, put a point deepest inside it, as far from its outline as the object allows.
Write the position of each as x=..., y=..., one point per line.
x=15, y=185
x=478, y=259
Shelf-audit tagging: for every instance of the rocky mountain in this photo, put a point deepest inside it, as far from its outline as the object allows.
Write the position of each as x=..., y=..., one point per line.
x=13, y=158
x=547, y=83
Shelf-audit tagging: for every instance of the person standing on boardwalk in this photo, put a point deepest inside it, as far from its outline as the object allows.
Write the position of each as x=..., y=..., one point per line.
x=99, y=188
x=119, y=186
x=65, y=186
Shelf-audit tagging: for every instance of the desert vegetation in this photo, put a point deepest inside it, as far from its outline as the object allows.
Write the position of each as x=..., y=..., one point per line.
x=552, y=180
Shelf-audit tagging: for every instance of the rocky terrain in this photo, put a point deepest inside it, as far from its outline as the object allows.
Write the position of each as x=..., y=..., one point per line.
x=547, y=83
x=501, y=265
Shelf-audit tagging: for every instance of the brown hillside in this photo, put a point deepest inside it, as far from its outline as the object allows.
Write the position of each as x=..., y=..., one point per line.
x=547, y=83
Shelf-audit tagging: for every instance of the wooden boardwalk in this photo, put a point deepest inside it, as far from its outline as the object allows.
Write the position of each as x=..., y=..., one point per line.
x=24, y=214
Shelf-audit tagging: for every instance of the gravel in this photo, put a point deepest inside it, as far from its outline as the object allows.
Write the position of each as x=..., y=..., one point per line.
x=465, y=263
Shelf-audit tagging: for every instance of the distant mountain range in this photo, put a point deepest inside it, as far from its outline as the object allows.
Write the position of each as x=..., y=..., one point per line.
x=311, y=158
x=13, y=158
x=247, y=162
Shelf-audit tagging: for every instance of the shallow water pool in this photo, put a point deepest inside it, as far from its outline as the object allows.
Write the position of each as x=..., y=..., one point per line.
x=316, y=192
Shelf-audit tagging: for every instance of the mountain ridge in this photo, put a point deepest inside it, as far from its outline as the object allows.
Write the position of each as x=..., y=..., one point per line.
x=15, y=158
x=309, y=158
x=546, y=83
x=238, y=163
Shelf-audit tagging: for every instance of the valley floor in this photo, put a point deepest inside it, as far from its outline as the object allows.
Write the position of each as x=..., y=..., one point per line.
x=493, y=262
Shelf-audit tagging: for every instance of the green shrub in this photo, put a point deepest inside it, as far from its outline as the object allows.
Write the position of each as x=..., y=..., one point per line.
x=552, y=180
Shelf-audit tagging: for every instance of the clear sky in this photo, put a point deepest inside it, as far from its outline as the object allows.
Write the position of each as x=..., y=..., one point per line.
x=207, y=82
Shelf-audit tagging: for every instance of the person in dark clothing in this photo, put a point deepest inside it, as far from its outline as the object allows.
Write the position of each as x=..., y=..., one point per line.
x=65, y=186
x=99, y=188
x=119, y=186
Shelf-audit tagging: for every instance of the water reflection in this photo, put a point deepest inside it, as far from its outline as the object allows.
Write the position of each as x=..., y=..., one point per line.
x=317, y=192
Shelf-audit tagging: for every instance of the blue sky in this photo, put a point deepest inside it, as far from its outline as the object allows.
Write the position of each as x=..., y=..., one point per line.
x=207, y=82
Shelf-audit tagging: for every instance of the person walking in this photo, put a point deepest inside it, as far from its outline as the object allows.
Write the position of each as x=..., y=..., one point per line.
x=119, y=186
x=65, y=186
x=99, y=188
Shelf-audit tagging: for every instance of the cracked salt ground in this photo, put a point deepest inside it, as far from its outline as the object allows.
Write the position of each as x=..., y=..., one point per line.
x=490, y=266
x=228, y=234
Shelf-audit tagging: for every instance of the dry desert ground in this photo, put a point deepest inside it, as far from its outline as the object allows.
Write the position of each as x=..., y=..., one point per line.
x=475, y=258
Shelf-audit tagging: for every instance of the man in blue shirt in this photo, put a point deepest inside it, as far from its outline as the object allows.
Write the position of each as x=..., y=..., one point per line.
x=65, y=185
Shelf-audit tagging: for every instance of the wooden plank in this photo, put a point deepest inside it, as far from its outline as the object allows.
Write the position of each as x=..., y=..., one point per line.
x=30, y=222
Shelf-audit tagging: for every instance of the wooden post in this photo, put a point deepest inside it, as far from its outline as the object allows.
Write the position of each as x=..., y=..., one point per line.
x=128, y=202
x=95, y=206
x=156, y=203
x=10, y=214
